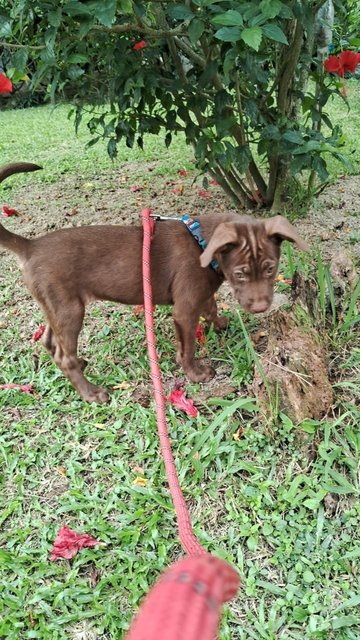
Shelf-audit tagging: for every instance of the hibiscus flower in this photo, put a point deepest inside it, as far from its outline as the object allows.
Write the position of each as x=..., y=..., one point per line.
x=5, y=84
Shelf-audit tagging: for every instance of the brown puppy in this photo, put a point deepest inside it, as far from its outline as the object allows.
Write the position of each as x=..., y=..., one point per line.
x=67, y=269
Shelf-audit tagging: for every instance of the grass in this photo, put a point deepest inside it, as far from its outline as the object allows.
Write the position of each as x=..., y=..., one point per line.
x=280, y=501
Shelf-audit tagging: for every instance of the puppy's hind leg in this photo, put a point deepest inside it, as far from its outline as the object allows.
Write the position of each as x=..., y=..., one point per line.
x=62, y=336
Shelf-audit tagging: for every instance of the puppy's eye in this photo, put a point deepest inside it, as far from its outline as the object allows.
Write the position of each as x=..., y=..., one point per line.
x=241, y=273
x=268, y=269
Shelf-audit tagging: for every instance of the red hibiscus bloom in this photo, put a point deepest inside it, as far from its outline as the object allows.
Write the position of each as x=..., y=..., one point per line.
x=349, y=60
x=5, y=84
x=333, y=65
x=139, y=45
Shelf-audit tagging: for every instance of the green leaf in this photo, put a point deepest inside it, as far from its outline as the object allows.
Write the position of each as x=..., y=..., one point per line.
x=312, y=503
x=112, y=148
x=272, y=588
x=77, y=58
x=308, y=576
x=54, y=17
x=319, y=165
x=274, y=32
x=230, y=18
x=104, y=11
x=228, y=34
x=307, y=147
x=19, y=60
x=341, y=480
x=252, y=37
x=271, y=8
x=5, y=28
x=345, y=621
x=179, y=12
x=125, y=6
x=85, y=24
x=332, y=488
x=196, y=29
x=293, y=136
x=75, y=8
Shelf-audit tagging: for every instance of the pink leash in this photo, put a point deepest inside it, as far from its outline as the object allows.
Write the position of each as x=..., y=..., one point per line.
x=186, y=601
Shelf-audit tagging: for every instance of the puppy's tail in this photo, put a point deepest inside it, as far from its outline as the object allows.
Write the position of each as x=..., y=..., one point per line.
x=17, y=167
x=9, y=240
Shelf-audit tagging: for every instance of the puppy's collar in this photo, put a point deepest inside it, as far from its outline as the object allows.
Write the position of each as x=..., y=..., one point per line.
x=194, y=227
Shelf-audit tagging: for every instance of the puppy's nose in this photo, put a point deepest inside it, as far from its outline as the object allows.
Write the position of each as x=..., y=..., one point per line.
x=259, y=306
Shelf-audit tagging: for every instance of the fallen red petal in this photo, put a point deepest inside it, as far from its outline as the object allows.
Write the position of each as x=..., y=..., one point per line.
x=135, y=188
x=204, y=194
x=8, y=211
x=38, y=333
x=25, y=388
x=68, y=542
x=141, y=309
x=214, y=182
x=5, y=84
x=139, y=45
x=199, y=335
x=179, y=401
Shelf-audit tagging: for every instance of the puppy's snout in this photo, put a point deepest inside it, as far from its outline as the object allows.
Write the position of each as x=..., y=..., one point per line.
x=259, y=306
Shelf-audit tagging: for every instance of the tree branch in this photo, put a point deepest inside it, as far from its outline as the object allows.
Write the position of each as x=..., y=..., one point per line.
x=139, y=28
x=10, y=45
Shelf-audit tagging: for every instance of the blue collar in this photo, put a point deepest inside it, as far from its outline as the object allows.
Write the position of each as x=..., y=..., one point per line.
x=194, y=228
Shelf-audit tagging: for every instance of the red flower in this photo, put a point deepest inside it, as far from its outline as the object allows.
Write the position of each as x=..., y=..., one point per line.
x=182, y=173
x=68, y=542
x=135, y=188
x=204, y=194
x=5, y=84
x=8, y=211
x=139, y=45
x=179, y=401
x=332, y=65
x=38, y=333
x=349, y=60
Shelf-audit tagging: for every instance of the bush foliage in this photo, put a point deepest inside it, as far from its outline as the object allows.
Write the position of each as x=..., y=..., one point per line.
x=232, y=76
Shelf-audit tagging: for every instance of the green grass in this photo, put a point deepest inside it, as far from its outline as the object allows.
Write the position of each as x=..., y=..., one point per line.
x=46, y=135
x=280, y=501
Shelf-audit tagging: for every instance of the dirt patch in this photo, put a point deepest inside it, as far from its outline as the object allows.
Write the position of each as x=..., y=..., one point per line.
x=334, y=219
x=296, y=370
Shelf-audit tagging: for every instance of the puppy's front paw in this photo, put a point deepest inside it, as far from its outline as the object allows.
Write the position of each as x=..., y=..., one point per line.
x=199, y=372
x=96, y=394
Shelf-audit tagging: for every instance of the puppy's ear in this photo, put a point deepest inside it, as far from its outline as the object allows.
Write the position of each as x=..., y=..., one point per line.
x=284, y=230
x=224, y=234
